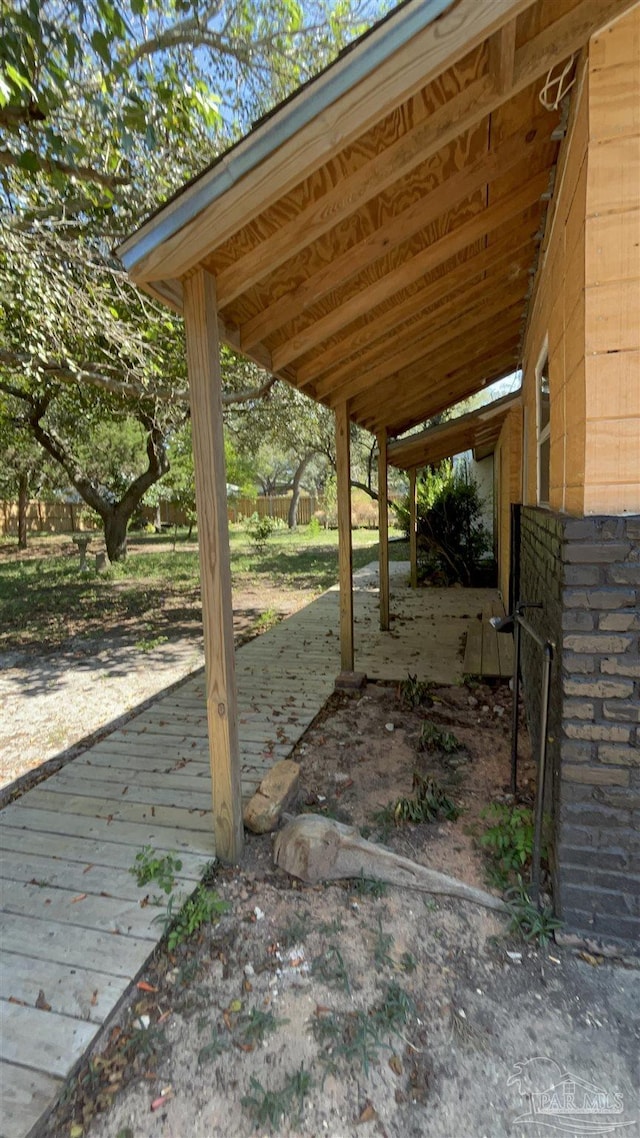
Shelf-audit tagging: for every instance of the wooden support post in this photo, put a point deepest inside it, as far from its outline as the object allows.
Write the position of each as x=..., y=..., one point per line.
x=383, y=531
x=413, y=528
x=345, y=558
x=203, y=359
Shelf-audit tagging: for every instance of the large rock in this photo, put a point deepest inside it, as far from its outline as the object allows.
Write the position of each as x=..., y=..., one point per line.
x=275, y=794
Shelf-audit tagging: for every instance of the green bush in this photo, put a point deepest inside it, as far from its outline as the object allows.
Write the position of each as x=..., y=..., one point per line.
x=260, y=530
x=452, y=538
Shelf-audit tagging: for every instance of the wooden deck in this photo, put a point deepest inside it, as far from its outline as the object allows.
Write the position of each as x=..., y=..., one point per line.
x=488, y=653
x=73, y=932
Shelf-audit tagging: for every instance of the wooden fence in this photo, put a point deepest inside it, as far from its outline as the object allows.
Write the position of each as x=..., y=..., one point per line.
x=67, y=517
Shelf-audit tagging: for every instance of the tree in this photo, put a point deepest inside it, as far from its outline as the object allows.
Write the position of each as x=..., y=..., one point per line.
x=103, y=112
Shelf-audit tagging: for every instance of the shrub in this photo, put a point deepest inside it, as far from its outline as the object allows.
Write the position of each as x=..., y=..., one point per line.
x=452, y=537
x=259, y=531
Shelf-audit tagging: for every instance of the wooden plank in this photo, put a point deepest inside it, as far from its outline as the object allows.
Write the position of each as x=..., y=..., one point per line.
x=426, y=56
x=135, y=791
x=383, y=531
x=26, y=1095
x=472, y=665
x=501, y=257
x=205, y=386
x=492, y=219
x=136, y=834
x=490, y=656
x=83, y=877
x=98, y=951
x=429, y=335
x=345, y=555
x=92, y=911
x=71, y=991
x=413, y=528
x=52, y=1042
x=375, y=409
x=392, y=232
x=87, y=854
x=502, y=56
x=115, y=810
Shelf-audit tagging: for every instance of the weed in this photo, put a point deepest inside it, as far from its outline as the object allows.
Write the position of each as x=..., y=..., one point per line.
x=331, y=968
x=408, y=962
x=382, y=948
x=508, y=842
x=213, y=1049
x=428, y=803
x=269, y=1108
x=267, y=620
x=413, y=693
x=433, y=738
x=188, y=972
x=358, y=1037
x=255, y=1027
x=368, y=886
x=330, y=928
x=148, y=644
x=525, y=918
x=151, y=866
x=199, y=909
x=294, y=932
x=145, y=1043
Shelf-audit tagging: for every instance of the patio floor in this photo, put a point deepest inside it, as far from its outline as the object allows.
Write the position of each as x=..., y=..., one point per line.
x=74, y=936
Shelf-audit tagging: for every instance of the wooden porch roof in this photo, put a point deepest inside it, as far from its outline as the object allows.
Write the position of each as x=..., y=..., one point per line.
x=382, y=253
x=478, y=431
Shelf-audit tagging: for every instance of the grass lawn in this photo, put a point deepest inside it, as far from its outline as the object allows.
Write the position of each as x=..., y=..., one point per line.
x=44, y=600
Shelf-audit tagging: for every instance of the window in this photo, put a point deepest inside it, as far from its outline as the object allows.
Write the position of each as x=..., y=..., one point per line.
x=544, y=426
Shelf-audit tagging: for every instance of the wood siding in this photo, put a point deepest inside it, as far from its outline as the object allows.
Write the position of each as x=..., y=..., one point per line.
x=586, y=301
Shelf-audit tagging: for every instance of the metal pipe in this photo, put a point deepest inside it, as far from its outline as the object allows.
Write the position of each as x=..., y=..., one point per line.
x=515, y=706
x=542, y=764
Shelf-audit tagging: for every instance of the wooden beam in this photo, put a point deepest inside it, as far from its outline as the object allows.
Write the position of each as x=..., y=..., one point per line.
x=505, y=256
x=502, y=56
x=495, y=217
x=507, y=307
x=525, y=146
x=459, y=114
x=401, y=416
x=437, y=327
x=413, y=529
x=438, y=371
x=345, y=555
x=435, y=49
x=205, y=387
x=383, y=531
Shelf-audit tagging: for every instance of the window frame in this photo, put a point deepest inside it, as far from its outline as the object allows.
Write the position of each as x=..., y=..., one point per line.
x=543, y=434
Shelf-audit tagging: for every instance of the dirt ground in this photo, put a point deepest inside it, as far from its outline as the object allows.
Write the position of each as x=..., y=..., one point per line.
x=347, y=1010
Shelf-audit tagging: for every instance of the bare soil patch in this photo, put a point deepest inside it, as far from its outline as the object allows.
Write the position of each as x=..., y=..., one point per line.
x=346, y=1010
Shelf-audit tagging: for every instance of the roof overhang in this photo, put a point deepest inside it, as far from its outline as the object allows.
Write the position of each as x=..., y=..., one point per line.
x=374, y=240
x=477, y=431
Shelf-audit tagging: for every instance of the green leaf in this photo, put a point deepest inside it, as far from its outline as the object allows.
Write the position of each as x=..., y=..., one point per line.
x=100, y=45
x=29, y=160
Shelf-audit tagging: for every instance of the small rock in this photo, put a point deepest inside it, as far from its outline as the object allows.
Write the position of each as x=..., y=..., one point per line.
x=389, y=727
x=258, y=914
x=484, y=709
x=143, y=1022
x=498, y=711
x=274, y=795
x=472, y=701
x=249, y=970
x=516, y=957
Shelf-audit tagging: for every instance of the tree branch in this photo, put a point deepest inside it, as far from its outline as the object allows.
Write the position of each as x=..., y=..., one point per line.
x=9, y=160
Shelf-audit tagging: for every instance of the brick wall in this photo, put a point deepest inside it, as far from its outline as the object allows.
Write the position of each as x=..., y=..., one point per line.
x=587, y=573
